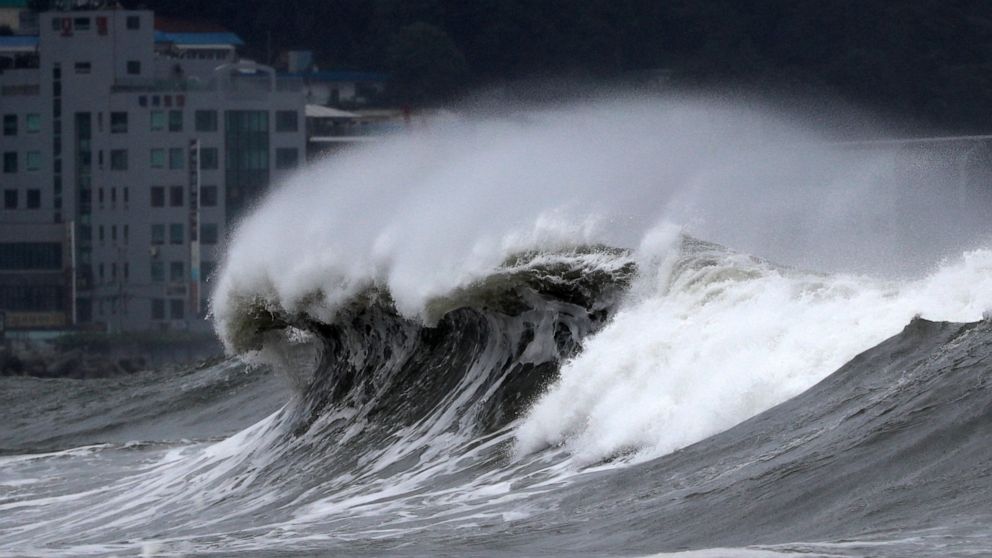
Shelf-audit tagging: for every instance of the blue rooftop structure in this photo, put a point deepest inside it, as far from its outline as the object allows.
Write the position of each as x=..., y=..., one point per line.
x=193, y=39
x=18, y=42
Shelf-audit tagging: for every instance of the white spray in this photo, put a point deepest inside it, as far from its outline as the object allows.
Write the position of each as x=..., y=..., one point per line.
x=691, y=353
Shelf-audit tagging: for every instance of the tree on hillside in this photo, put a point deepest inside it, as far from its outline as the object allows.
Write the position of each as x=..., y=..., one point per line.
x=425, y=65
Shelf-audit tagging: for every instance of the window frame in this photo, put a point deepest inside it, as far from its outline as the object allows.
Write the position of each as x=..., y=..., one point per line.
x=174, y=238
x=213, y=159
x=157, y=234
x=175, y=120
x=32, y=160
x=177, y=196
x=177, y=158
x=10, y=127
x=283, y=124
x=32, y=118
x=118, y=159
x=212, y=237
x=157, y=120
x=10, y=162
x=205, y=120
x=118, y=127
x=152, y=159
x=156, y=196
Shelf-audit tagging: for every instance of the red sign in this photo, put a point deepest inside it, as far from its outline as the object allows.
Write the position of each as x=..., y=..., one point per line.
x=66, y=26
x=101, y=25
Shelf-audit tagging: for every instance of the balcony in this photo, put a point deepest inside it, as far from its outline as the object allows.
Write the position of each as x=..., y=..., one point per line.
x=21, y=90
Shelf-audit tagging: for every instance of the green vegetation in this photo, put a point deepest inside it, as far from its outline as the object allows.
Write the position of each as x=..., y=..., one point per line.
x=929, y=60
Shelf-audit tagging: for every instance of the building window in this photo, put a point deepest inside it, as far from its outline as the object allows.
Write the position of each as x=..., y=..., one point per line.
x=206, y=120
x=207, y=269
x=10, y=161
x=34, y=198
x=158, y=120
x=10, y=199
x=176, y=196
x=118, y=159
x=118, y=123
x=176, y=158
x=177, y=308
x=208, y=196
x=208, y=233
x=32, y=123
x=30, y=256
x=175, y=121
x=158, y=309
x=177, y=271
x=158, y=271
x=32, y=160
x=83, y=67
x=208, y=158
x=158, y=158
x=81, y=23
x=246, y=158
x=133, y=22
x=10, y=124
x=158, y=234
x=133, y=67
x=286, y=158
x=287, y=121
x=158, y=196
x=176, y=233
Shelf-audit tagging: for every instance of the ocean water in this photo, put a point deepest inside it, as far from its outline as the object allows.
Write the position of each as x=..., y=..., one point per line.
x=625, y=327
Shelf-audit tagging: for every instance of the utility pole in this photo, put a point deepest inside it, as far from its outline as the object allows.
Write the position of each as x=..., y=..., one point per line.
x=194, y=229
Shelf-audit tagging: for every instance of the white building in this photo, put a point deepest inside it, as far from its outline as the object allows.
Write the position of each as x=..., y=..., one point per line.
x=144, y=145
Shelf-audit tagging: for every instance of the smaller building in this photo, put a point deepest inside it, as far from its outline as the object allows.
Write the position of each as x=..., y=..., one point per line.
x=342, y=89
x=330, y=129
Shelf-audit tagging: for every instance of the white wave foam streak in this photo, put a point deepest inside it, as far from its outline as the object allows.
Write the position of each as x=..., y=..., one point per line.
x=713, y=339
x=171, y=485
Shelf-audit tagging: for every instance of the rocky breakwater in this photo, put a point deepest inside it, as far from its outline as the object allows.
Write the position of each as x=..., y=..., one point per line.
x=73, y=363
x=89, y=355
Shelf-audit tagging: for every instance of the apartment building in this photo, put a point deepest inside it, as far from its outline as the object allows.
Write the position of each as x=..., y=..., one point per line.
x=139, y=145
